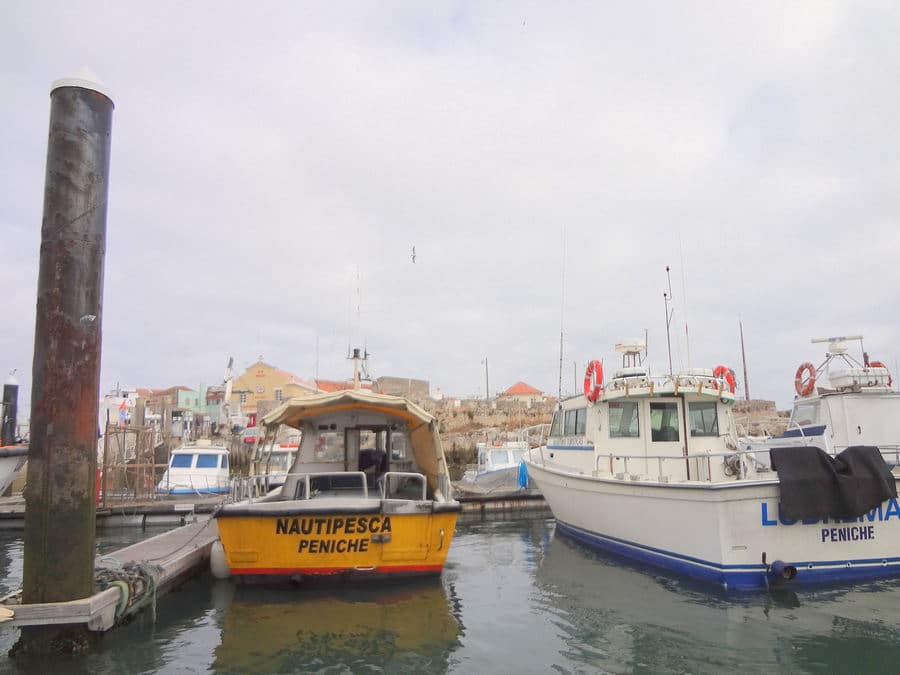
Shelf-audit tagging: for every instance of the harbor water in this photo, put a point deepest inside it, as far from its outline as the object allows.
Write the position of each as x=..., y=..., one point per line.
x=514, y=598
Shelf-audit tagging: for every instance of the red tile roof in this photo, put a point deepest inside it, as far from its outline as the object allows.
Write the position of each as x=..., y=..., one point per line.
x=520, y=388
x=331, y=385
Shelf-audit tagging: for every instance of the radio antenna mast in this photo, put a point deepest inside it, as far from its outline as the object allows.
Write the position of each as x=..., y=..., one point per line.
x=562, y=311
x=667, y=297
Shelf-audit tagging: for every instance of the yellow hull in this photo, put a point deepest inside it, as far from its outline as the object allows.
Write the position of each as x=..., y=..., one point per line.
x=310, y=543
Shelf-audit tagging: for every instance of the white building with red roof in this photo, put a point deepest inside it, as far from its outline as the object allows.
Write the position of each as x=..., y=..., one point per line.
x=523, y=393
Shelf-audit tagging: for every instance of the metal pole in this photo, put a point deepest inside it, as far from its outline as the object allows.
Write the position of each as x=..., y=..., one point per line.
x=10, y=405
x=744, y=359
x=487, y=387
x=62, y=460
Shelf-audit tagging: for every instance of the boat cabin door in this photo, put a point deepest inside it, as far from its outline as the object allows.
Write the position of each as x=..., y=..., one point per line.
x=667, y=438
x=367, y=452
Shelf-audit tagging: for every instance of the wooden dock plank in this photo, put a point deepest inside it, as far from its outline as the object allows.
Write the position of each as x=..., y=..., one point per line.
x=177, y=554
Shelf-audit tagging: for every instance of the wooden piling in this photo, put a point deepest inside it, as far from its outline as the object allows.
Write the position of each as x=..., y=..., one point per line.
x=62, y=461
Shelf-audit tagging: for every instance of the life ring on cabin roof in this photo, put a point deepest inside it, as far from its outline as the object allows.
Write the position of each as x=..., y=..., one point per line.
x=721, y=372
x=805, y=389
x=593, y=380
x=879, y=364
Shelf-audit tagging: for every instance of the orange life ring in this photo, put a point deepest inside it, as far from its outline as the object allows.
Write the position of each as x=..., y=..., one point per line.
x=720, y=372
x=593, y=380
x=879, y=364
x=805, y=389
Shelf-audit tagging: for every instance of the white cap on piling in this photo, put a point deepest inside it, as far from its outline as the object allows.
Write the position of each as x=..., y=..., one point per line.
x=11, y=380
x=85, y=78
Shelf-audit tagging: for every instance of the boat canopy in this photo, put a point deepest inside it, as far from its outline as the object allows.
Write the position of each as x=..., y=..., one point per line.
x=421, y=427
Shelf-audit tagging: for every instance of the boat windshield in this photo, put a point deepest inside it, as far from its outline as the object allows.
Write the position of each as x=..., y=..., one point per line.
x=664, y=422
x=805, y=413
x=278, y=461
x=623, y=419
x=703, y=418
x=330, y=446
x=208, y=461
x=182, y=461
x=499, y=457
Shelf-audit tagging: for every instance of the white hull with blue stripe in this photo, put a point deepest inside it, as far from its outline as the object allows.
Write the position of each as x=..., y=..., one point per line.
x=718, y=532
x=651, y=469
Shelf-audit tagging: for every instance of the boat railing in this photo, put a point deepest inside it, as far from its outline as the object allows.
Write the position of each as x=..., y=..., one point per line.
x=527, y=435
x=736, y=464
x=402, y=485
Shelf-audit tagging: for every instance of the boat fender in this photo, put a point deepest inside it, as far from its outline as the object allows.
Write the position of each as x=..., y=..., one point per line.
x=593, y=380
x=723, y=372
x=218, y=564
x=879, y=364
x=801, y=388
x=782, y=571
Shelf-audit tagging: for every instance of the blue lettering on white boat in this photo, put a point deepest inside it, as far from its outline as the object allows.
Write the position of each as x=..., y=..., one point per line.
x=852, y=533
x=879, y=514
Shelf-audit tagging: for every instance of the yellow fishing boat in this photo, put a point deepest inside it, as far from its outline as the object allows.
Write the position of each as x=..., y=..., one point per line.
x=368, y=495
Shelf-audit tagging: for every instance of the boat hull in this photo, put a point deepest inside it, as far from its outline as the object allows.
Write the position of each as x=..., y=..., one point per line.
x=726, y=534
x=12, y=459
x=345, y=542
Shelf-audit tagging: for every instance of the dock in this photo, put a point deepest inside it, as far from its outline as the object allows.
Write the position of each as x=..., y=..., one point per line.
x=171, y=558
x=125, y=514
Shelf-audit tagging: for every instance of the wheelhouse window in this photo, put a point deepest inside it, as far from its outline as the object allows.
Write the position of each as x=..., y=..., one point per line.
x=330, y=446
x=182, y=461
x=664, y=425
x=805, y=413
x=398, y=445
x=623, y=419
x=703, y=418
x=556, y=426
x=576, y=422
x=207, y=461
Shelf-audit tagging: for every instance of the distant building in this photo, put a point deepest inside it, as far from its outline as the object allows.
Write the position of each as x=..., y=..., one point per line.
x=329, y=386
x=264, y=382
x=523, y=393
x=416, y=390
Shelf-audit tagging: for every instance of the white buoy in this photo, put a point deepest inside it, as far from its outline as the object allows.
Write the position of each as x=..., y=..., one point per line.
x=218, y=565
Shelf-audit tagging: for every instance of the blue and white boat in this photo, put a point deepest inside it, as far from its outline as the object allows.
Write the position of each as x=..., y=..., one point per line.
x=842, y=402
x=651, y=468
x=200, y=468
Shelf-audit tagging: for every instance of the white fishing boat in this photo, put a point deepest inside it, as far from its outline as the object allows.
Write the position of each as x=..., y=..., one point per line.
x=12, y=459
x=197, y=468
x=650, y=468
x=842, y=402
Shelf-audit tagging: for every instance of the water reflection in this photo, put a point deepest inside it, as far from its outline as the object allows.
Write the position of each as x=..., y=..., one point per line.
x=615, y=616
x=409, y=628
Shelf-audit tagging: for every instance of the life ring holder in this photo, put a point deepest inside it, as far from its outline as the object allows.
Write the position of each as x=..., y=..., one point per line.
x=726, y=373
x=801, y=388
x=879, y=364
x=593, y=380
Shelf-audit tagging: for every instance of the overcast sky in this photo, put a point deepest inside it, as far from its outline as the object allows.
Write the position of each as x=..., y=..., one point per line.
x=274, y=164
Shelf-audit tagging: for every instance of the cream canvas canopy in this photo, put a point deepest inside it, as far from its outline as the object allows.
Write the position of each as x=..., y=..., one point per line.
x=423, y=430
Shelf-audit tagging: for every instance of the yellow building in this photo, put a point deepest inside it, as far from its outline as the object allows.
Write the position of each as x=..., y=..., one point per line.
x=263, y=382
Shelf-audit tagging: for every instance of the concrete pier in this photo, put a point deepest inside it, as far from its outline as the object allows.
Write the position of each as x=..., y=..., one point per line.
x=62, y=462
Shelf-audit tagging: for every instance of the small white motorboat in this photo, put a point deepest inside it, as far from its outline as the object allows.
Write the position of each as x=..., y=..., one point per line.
x=200, y=468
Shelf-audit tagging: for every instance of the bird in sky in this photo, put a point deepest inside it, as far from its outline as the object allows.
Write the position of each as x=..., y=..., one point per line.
x=414, y=255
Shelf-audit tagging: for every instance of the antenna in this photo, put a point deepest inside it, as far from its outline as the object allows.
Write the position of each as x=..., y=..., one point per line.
x=562, y=310
x=687, y=336
x=744, y=359
x=668, y=297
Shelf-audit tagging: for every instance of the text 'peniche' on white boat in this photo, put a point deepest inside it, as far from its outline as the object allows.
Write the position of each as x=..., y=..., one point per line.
x=650, y=468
